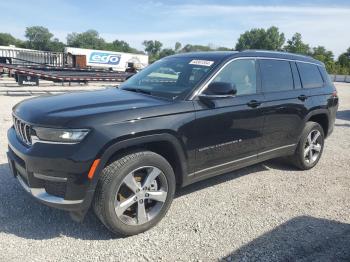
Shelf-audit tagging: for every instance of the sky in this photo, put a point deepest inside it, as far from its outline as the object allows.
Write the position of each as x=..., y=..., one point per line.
x=218, y=23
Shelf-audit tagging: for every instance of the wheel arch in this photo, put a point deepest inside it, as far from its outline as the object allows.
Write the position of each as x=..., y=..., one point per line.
x=320, y=116
x=164, y=144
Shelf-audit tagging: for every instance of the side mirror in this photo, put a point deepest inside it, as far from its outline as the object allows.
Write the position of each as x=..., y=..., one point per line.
x=217, y=90
x=220, y=90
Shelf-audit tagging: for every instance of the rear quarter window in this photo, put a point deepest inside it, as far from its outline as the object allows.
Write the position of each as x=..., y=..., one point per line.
x=310, y=75
x=276, y=75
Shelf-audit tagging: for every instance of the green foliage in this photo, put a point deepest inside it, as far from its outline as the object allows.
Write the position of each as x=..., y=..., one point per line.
x=166, y=52
x=152, y=47
x=343, y=62
x=222, y=48
x=8, y=39
x=118, y=46
x=344, y=59
x=89, y=39
x=39, y=38
x=296, y=45
x=195, y=48
x=178, y=46
x=320, y=53
x=56, y=45
x=259, y=38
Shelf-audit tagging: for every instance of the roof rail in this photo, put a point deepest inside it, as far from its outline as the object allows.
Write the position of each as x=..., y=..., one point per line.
x=275, y=52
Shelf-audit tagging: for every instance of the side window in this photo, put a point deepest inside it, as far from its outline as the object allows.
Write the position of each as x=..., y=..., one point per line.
x=276, y=75
x=326, y=77
x=310, y=75
x=242, y=73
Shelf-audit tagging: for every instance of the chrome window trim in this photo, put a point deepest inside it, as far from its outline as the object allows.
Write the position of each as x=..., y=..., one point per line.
x=203, y=87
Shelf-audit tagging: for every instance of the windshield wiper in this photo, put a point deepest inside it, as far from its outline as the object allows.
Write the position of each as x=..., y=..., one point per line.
x=137, y=90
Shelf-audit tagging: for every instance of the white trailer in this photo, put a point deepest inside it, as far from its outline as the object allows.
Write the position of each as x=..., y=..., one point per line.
x=117, y=61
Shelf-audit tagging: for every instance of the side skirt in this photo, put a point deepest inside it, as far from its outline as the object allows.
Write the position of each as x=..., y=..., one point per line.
x=239, y=163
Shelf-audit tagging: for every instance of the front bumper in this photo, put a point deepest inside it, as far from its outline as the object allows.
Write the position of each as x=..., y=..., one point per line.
x=52, y=174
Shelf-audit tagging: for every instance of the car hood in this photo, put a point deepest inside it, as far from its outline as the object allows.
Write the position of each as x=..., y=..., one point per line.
x=60, y=110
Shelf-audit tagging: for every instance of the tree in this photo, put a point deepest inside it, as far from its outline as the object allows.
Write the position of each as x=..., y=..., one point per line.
x=56, y=45
x=177, y=46
x=343, y=63
x=166, y=52
x=222, y=48
x=38, y=37
x=195, y=48
x=152, y=47
x=296, y=45
x=121, y=46
x=8, y=39
x=344, y=59
x=89, y=39
x=320, y=53
x=259, y=38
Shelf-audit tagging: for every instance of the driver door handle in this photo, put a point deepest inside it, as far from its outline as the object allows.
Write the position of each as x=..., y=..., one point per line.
x=253, y=103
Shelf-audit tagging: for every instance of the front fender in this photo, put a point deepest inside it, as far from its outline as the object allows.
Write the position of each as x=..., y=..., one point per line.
x=131, y=142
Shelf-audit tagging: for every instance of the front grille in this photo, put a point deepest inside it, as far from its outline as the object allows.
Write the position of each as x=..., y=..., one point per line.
x=57, y=189
x=23, y=130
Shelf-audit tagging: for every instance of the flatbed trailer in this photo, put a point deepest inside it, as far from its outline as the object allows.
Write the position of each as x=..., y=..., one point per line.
x=32, y=74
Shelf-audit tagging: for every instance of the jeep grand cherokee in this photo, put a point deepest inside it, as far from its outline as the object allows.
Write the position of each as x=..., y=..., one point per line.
x=125, y=150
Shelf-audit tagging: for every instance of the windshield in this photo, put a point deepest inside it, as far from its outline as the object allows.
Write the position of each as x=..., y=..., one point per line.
x=171, y=78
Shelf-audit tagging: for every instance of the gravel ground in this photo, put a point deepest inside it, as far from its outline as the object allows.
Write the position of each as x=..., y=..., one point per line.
x=267, y=212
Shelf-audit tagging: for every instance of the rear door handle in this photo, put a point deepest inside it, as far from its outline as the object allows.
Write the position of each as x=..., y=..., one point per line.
x=302, y=97
x=254, y=103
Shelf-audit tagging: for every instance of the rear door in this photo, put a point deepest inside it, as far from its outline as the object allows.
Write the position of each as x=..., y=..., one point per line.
x=285, y=105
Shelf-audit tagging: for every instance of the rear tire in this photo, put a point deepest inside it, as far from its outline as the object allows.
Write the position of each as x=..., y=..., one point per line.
x=134, y=193
x=310, y=147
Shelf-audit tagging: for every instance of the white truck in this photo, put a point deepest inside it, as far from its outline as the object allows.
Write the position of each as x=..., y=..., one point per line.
x=116, y=61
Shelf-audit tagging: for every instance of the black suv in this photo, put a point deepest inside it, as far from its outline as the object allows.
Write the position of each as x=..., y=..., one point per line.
x=184, y=118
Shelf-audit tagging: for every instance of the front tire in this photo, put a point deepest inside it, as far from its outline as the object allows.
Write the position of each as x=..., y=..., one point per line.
x=134, y=192
x=310, y=147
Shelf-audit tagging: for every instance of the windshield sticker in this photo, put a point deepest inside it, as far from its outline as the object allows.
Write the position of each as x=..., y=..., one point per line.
x=201, y=62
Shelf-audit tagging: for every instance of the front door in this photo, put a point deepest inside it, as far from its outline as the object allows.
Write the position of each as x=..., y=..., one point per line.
x=230, y=132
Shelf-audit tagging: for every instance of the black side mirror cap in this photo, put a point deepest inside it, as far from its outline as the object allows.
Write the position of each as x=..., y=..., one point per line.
x=220, y=89
x=217, y=90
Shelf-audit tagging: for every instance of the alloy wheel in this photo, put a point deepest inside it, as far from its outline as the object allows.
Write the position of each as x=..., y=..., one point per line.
x=313, y=147
x=141, y=195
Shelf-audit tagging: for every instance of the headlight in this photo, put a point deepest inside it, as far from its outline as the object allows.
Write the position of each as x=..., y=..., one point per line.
x=69, y=136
